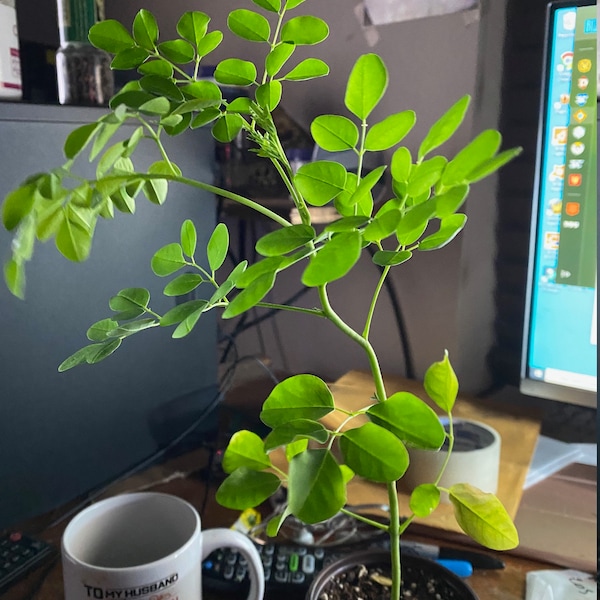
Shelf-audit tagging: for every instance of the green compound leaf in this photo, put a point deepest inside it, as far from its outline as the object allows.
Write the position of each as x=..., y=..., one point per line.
x=192, y=26
x=250, y=296
x=278, y=57
x=269, y=5
x=168, y=260
x=320, y=181
x=447, y=203
x=450, y=227
x=383, y=225
x=235, y=71
x=110, y=35
x=401, y=165
x=17, y=205
x=183, y=284
x=156, y=66
x=424, y=499
x=187, y=325
x=189, y=237
x=73, y=240
x=128, y=329
x=245, y=488
x=294, y=430
x=130, y=58
x=177, y=51
x=493, y=164
x=245, y=449
x=268, y=95
x=413, y=223
x=483, y=517
x=316, y=487
x=181, y=312
x=443, y=129
x=284, y=240
x=211, y=41
x=479, y=150
x=78, y=139
x=374, y=453
x=366, y=85
x=410, y=419
x=249, y=25
x=347, y=224
x=425, y=175
x=333, y=260
x=14, y=276
x=98, y=332
x=441, y=383
x=145, y=29
x=334, y=133
x=309, y=68
x=297, y=397
x=227, y=127
x=304, y=31
x=218, y=246
x=390, y=131
x=389, y=258
x=289, y=4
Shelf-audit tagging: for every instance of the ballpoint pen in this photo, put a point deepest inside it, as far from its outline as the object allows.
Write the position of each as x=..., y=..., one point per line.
x=478, y=560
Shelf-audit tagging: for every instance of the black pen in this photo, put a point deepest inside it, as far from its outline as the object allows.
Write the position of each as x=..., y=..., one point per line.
x=479, y=560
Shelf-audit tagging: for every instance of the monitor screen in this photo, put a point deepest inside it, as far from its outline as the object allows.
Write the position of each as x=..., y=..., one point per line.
x=559, y=359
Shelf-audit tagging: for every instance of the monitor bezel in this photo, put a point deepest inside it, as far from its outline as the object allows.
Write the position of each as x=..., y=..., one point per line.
x=527, y=385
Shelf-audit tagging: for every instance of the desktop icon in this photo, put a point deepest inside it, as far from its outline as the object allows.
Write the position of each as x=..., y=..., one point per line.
x=551, y=240
x=576, y=163
x=584, y=65
x=572, y=209
x=578, y=132
x=567, y=60
x=559, y=136
x=580, y=115
x=577, y=148
x=569, y=20
x=575, y=179
x=582, y=83
x=582, y=99
x=564, y=98
x=558, y=172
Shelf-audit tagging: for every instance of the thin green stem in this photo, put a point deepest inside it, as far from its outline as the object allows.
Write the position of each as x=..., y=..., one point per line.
x=365, y=520
x=308, y=311
x=450, y=448
x=376, y=293
x=394, y=533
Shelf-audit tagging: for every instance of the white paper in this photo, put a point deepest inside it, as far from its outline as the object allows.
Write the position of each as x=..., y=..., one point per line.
x=382, y=12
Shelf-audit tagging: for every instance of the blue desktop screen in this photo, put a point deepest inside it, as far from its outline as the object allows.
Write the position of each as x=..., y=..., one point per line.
x=563, y=318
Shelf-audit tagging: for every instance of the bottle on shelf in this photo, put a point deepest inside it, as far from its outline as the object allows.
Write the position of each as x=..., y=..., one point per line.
x=10, y=63
x=83, y=72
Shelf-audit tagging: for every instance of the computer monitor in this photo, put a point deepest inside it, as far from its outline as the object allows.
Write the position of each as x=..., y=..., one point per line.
x=559, y=358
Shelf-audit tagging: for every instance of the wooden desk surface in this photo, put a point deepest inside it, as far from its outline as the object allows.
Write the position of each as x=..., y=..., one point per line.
x=181, y=477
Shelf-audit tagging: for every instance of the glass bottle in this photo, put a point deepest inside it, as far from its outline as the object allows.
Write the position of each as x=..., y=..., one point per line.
x=83, y=72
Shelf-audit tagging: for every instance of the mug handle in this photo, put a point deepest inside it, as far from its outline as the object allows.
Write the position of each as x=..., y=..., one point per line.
x=212, y=539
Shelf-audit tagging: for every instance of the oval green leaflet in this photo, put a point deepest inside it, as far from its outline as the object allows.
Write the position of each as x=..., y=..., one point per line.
x=334, y=133
x=284, y=240
x=374, y=453
x=444, y=128
x=305, y=30
x=366, y=85
x=297, y=397
x=335, y=258
x=249, y=25
x=317, y=490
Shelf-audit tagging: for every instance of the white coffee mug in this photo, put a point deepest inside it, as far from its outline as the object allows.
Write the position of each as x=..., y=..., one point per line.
x=145, y=546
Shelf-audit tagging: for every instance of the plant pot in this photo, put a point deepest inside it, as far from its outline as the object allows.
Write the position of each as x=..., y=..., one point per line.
x=351, y=577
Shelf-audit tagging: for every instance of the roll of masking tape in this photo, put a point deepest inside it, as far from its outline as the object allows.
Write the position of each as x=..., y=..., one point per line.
x=475, y=459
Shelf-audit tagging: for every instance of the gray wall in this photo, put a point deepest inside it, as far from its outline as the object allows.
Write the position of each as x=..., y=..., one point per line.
x=447, y=295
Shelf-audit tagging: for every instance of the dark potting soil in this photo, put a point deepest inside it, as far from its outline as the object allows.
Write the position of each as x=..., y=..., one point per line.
x=374, y=583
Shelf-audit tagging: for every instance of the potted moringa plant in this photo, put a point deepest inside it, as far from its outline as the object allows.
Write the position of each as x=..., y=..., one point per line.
x=421, y=214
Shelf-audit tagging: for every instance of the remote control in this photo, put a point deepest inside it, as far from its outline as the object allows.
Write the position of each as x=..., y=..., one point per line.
x=287, y=567
x=19, y=555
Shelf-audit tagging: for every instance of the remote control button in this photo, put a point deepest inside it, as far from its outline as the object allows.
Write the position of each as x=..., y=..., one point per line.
x=298, y=577
x=308, y=564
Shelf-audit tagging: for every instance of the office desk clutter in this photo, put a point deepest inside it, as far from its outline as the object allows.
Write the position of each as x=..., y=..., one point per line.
x=422, y=214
